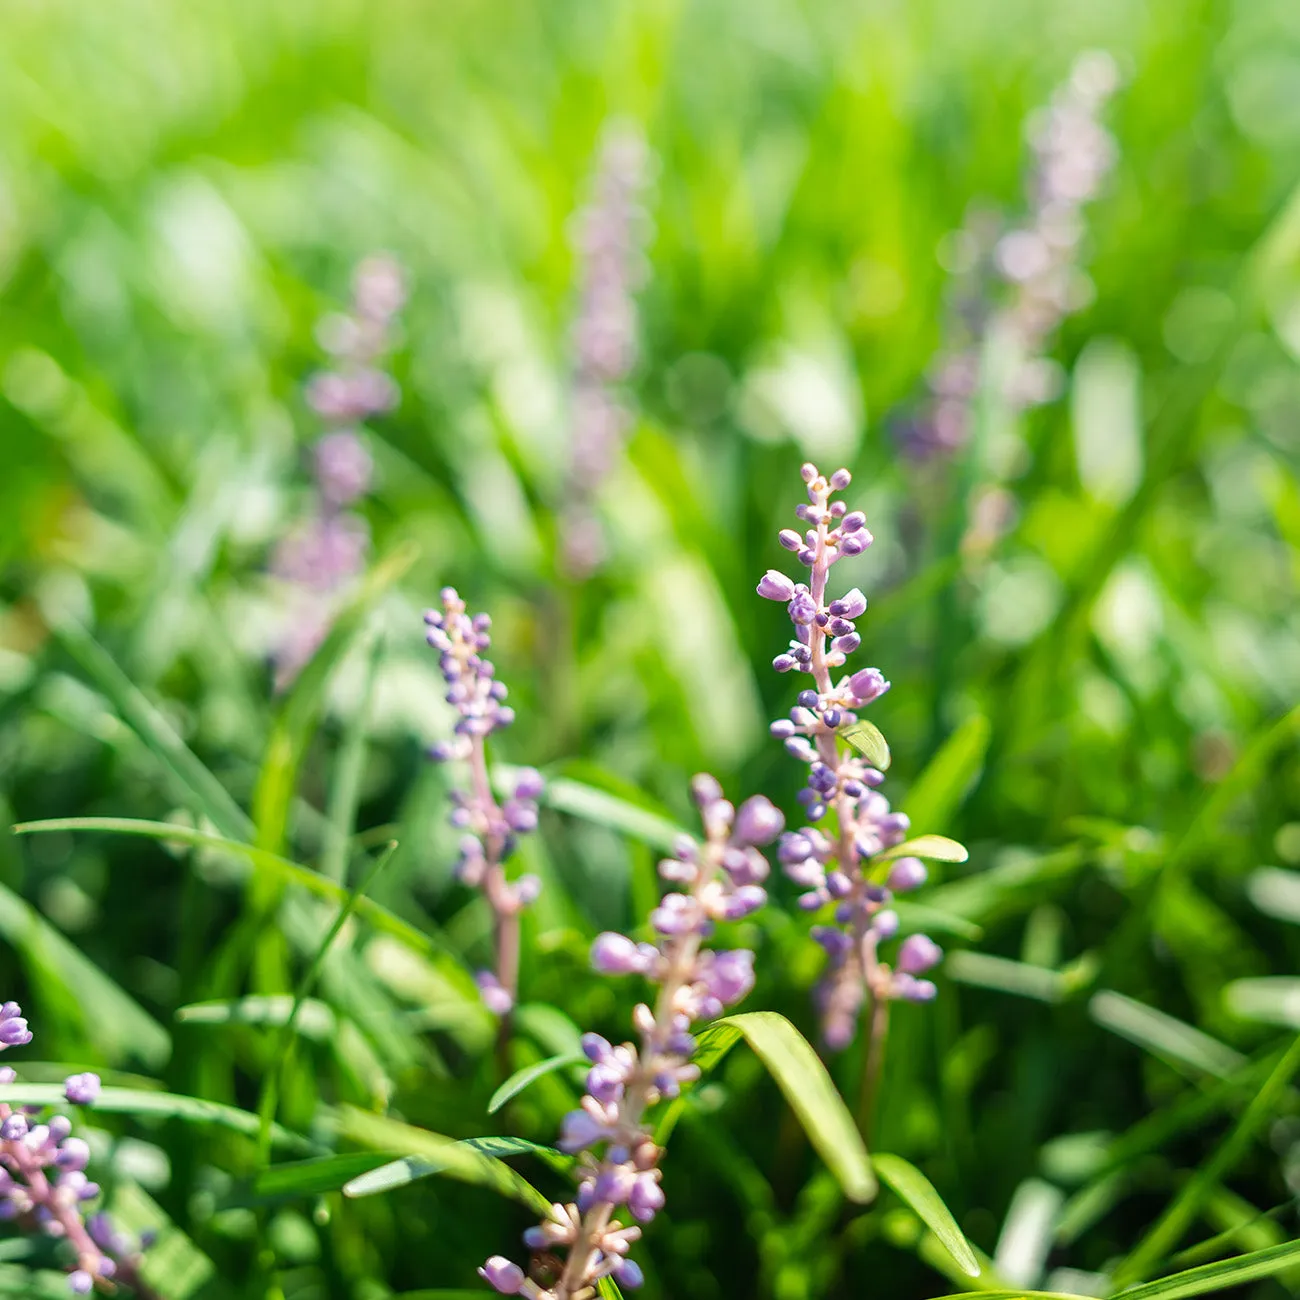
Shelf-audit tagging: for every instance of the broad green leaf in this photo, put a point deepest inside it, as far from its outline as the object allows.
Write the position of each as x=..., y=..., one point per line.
x=442, y=1155
x=1184, y=1209
x=113, y=1019
x=802, y=1078
x=293, y=726
x=162, y=1105
x=604, y=809
x=865, y=737
x=938, y=792
x=912, y=1186
x=298, y=1178
x=1162, y=1034
x=938, y=848
x=280, y=869
x=520, y=1080
x=1221, y=1275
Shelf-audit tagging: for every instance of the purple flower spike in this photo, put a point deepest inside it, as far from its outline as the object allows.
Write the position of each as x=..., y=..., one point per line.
x=475, y=693
x=502, y=1275
x=837, y=866
x=619, y=1169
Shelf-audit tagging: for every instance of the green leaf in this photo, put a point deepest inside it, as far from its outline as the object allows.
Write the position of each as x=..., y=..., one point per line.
x=598, y=806
x=938, y=792
x=912, y=1186
x=520, y=1080
x=983, y=970
x=1221, y=1275
x=803, y=1079
x=271, y=864
x=865, y=737
x=608, y=1288
x=162, y=1105
x=1271, y=999
x=938, y=848
x=315, y=1019
x=113, y=1019
x=1162, y=1034
x=430, y=1153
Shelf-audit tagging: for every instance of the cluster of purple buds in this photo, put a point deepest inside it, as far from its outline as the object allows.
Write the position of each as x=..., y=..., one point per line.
x=490, y=828
x=1074, y=155
x=43, y=1183
x=327, y=549
x=839, y=866
x=721, y=879
x=609, y=237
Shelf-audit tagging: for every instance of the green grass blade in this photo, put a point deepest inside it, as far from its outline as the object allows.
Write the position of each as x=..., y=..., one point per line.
x=801, y=1076
x=261, y=859
x=442, y=1155
x=159, y=1105
x=521, y=1079
x=949, y=776
x=270, y=1096
x=189, y=776
x=1221, y=1275
x=1163, y=1035
x=1183, y=1210
x=604, y=809
x=913, y=1187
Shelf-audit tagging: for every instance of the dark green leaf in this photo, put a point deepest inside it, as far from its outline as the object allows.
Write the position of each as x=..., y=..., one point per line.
x=912, y=1186
x=520, y=1080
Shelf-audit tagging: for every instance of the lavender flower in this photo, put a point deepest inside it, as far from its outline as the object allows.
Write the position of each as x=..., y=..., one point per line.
x=326, y=550
x=836, y=863
x=610, y=232
x=1037, y=260
x=490, y=828
x=43, y=1183
x=619, y=1161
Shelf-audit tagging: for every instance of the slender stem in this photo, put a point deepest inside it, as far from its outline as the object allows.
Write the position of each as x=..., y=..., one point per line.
x=875, y=1057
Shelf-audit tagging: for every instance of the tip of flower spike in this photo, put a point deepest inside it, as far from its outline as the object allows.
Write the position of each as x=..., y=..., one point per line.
x=502, y=1275
x=82, y=1089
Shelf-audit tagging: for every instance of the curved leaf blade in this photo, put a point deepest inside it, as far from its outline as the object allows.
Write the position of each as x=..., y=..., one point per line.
x=912, y=1186
x=521, y=1079
x=867, y=739
x=1220, y=1275
x=801, y=1076
x=938, y=848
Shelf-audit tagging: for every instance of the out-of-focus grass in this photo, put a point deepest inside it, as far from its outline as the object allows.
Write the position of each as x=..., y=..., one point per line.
x=183, y=190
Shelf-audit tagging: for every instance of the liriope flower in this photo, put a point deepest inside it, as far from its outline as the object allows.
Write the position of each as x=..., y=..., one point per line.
x=721, y=878
x=850, y=822
x=489, y=827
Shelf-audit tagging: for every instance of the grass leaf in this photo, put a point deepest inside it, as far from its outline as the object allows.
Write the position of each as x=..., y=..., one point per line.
x=867, y=739
x=520, y=1080
x=912, y=1186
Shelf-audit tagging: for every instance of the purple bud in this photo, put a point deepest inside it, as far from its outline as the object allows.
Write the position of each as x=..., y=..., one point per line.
x=868, y=684
x=784, y=663
x=615, y=954
x=758, y=821
x=579, y=1130
x=529, y=784
x=907, y=874
x=73, y=1155
x=595, y=1048
x=846, y=645
x=502, y=1275
x=840, y=480
x=914, y=990
x=82, y=1089
x=855, y=543
x=527, y=888
x=705, y=789
x=647, y=1197
x=495, y=996
x=521, y=817
x=885, y=924
x=628, y=1273
x=918, y=954
x=81, y=1283
x=803, y=608
x=852, y=604
x=789, y=539
x=808, y=471
x=13, y=1028
x=774, y=585
x=854, y=521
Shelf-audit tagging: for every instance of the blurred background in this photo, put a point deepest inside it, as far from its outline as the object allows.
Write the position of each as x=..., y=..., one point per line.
x=1086, y=601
